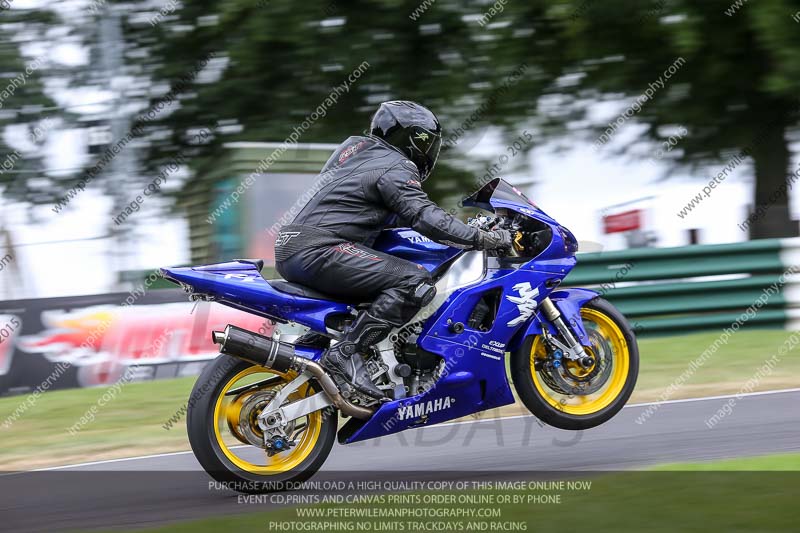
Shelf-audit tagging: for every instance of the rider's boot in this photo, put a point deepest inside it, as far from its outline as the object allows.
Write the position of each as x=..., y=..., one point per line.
x=344, y=360
x=313, y=339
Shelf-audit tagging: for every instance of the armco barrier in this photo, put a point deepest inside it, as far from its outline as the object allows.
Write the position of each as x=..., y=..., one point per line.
x=701, y=287
x=694, y=288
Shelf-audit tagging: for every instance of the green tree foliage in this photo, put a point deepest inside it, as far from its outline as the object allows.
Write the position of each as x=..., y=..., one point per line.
x=736, y=91
x=25, y=117
x=276, y=62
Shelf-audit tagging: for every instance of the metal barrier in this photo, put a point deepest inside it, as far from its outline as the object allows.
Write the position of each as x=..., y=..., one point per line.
x=700, y=287
x=694, y=288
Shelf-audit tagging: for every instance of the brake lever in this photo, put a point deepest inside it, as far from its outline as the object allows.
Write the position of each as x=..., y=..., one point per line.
x=517, y=242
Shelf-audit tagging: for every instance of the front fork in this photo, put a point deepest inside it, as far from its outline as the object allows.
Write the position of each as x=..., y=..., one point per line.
x=573, y=349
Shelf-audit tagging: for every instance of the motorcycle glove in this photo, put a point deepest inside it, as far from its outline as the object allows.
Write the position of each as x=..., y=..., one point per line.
x=496, y=239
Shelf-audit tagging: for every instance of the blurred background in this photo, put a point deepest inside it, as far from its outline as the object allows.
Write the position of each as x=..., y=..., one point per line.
x=149, y=133
x=632, y=108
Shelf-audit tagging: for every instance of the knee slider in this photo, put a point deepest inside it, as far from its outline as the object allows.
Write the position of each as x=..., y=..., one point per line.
x=424, y=293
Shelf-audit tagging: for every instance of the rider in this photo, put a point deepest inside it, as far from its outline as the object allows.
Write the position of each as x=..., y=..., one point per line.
x=368, y=184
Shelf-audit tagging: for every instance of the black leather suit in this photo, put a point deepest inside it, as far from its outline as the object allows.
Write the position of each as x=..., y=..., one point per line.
x=367, y=185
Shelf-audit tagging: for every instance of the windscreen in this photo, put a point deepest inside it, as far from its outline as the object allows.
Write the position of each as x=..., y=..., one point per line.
x=499, y=190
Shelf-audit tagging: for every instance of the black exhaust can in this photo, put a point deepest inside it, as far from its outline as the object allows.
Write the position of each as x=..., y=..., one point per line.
x=255, y=348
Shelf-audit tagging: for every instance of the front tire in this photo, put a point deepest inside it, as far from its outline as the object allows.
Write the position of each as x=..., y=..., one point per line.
x=219, y=439
x=614, y=348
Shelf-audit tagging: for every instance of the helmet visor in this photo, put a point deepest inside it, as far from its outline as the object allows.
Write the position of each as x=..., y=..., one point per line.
x=428, y=144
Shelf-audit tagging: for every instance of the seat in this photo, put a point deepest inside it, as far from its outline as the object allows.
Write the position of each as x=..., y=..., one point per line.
x=295, y=289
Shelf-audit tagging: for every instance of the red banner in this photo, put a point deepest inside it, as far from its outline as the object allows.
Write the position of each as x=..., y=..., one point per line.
x=625, y=221
x=162, y=336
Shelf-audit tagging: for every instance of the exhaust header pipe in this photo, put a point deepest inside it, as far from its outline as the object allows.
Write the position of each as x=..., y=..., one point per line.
x=280, y=356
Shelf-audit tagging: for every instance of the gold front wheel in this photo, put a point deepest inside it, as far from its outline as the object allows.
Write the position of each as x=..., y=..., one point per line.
x=570, y=395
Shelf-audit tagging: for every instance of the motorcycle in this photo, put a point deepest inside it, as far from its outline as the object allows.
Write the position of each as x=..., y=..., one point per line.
x=265, y=413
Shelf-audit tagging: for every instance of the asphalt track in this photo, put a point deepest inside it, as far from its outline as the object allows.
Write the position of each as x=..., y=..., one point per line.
x=148, y=491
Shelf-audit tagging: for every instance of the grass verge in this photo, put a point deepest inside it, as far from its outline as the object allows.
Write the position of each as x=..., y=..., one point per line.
x=784, y=462
x=132, y=423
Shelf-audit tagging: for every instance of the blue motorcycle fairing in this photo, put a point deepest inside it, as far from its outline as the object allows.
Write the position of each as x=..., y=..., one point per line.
x=473, y=372
x=474, y=377
x=412, y=246
x=239, y=284
x=497, y=194
x=569, y=302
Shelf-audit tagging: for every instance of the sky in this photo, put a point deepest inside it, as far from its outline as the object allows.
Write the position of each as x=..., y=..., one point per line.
x=576, y=185
x=60, y=254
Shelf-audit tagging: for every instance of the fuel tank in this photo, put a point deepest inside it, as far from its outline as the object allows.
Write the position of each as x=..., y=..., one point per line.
x=412, y=246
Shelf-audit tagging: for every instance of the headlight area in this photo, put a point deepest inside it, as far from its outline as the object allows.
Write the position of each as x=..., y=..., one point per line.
x=570, y=242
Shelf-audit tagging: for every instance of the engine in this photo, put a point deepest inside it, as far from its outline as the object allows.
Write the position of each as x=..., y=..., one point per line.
x=419, y=368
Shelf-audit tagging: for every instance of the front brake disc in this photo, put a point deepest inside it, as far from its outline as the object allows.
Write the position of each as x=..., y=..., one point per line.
x=563, y=379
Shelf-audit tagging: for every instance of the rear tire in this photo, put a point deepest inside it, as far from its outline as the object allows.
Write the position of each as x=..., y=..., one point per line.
x=205, y=429
x=576, y=412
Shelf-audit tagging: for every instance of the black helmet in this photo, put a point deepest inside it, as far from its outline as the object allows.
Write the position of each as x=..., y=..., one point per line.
x=411, y=128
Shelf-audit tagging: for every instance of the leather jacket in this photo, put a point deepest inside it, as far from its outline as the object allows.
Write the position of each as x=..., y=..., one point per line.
x=366, y=186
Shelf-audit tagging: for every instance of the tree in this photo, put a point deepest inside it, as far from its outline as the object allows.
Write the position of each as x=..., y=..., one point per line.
x=724, y=73
x=733, y=83
x=275, y=64
x=25, y=111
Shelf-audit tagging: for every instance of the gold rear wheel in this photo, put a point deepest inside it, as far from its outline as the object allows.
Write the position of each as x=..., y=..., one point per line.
x=236, y=419
x=223, y=428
